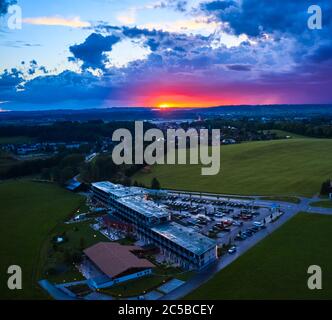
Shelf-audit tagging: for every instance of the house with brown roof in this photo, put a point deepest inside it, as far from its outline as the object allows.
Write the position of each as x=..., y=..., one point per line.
x=115, y=263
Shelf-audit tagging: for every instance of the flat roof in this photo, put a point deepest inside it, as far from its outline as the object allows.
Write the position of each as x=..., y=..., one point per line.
x=73, y=184
x=187, y=238
x=146, y=207
x=117, y=189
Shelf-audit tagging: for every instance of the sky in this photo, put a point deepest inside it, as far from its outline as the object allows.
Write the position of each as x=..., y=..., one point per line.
x=163, y=53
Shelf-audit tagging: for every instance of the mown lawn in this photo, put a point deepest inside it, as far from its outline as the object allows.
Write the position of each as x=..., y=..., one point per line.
x=322, y=204
x=276, y=268
x=146, y=284
x=284, y=199
x=135, y=287
x=79, y=236
x=280, y=167
x=29, y=212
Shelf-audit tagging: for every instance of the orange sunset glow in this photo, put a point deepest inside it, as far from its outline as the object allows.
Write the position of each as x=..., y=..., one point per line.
x=165, y=102
x=171, y=93
x=177, y=94
x=164, y=106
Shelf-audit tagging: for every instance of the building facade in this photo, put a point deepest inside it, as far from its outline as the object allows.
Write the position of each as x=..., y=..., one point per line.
x=152, y=224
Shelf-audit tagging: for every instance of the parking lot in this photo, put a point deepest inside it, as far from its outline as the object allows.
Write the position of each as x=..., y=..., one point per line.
x=228, y=221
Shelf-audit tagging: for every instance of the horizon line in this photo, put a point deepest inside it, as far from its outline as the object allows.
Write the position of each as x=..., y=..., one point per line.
x=165, y=110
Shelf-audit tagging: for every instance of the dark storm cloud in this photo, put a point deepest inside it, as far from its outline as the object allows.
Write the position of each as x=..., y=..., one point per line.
x=13, y=79
x=65, y=86
x=218, y=5
x=138, y=32
x=9, y=79
x=4, y=4
x=255, y=16
x=92, y=50
x=239, y=67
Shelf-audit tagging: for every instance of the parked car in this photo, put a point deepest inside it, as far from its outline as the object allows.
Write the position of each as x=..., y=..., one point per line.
x=237, y=223
x=232, y=250
x=227, y=222
x=246, y=217
x=247, y=233
x=241, y=237
x=219, y=215
x=258, y=224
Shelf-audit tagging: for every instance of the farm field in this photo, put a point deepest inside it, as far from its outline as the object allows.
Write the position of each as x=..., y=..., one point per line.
x=291, y=167
x=276, y=268
x=283, y=134
x=6, y=161
x=29, y=213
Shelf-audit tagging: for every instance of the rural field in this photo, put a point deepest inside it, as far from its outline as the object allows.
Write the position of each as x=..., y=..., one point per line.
x=280, y=167
x=29, y=213
x=283, y=134
x=276, y=268
x=6, y=161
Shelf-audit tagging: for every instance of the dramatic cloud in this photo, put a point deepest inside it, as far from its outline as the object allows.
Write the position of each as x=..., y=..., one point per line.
x=92, y=51
x=191, y=25
x=252, y=17
x=4, y=4
x=10, y=79
x=274, y=58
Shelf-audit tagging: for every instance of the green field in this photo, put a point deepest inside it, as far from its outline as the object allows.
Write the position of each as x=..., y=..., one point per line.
x=279, y=167
x=283, y=134
x=283, y=199
x=29, y=212
x=322, y=204
x=276, y=268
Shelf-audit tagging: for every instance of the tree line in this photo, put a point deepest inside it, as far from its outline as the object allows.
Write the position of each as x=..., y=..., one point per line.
x=68, y=131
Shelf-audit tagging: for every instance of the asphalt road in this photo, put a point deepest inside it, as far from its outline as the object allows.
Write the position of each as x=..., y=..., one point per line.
x=206, y=274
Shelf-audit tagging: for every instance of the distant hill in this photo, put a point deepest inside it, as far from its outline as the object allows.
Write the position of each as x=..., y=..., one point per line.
x=133, y=113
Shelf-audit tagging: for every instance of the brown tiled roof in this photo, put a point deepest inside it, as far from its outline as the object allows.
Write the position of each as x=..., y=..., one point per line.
x=114, y=258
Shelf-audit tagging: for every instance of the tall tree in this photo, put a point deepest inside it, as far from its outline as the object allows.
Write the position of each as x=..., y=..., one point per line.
x=155, y=185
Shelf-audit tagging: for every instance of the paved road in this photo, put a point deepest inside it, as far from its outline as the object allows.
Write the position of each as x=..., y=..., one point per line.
x=208, y=273
x=55, y=292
